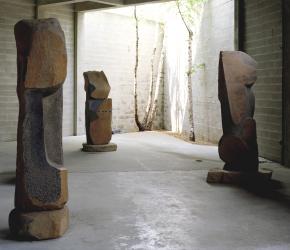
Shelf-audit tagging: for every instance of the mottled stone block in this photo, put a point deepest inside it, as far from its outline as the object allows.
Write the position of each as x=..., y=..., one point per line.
x=96, y=85
x=234, y=177
x=100, y=148
x=41, y=53
x=41, y=180
x=98, y=112
x=39, y=225
x=98, y=121
x=215, y=176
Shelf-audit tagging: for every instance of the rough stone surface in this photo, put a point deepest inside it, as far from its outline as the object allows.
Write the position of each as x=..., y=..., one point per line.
x=41, y=181
x=46, y=67
x=99, y=119
x=100, y=148
x=234, y=177
x=96, y=85
x=238, y=146
x=39, y=225
x=98, y=108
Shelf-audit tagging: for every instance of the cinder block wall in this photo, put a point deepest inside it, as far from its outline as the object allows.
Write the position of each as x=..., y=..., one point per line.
x=106, y=42
x=263, y=41
x=215, y=33
x=11, y=11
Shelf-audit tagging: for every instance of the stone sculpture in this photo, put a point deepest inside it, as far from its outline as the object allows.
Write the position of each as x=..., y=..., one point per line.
x=238, y=146
x=41, y=181
x=98, y=113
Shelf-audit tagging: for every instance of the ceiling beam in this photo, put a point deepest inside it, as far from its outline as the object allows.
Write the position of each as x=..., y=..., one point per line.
x=137, y=2
x=108, y=4
x=89, y=5
x=62, y=2
x=56, y=2
x=85, y=5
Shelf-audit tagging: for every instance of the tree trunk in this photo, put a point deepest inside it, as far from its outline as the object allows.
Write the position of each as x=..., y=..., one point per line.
x=189, y=85
x=189, y=73
x=150, y=97
x=159, y=80
x=138, y=123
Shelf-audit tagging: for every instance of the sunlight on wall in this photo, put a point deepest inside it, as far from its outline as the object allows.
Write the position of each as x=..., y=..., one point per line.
x=214, y=32
x=176, y=67
x=107, y=42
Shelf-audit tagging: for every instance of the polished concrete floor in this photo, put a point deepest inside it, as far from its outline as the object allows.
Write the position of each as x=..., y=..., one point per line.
x=151, y=194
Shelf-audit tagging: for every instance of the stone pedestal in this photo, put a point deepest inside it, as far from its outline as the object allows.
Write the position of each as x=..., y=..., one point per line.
x=99, y=148
x=236, y=178
x=39, y=225
x=41, y=190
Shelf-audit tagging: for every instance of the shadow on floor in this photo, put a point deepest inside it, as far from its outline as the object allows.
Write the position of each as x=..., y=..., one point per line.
x=273, y=190
x=5, y=234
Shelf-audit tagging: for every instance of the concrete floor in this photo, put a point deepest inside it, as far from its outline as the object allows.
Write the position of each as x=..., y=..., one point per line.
x=152, y=194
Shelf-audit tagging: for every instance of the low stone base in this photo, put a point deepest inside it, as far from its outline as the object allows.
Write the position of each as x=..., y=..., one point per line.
x=40, y=225
x=99, y=148
x=232, y=177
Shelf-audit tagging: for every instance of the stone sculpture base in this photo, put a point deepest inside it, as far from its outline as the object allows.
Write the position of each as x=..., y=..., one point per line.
x=232, y=177
x=99, y=148
x=40, y=225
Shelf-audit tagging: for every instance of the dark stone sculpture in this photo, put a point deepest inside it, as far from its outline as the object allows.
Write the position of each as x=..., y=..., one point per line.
x=41, y=181
x=98, y=113
x=238, y=146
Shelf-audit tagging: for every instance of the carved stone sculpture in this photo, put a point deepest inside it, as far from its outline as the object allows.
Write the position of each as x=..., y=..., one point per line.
x=238, y=146
x=41, y=181
x=98, y=113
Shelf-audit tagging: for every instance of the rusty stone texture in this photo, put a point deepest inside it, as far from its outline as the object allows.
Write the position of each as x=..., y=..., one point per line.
x=98, y=108
x=40, y=225
x=96, y=85
x=41, y=180
x=238, y=146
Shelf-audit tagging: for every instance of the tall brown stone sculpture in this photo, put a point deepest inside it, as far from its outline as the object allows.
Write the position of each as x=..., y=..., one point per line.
x=98, y=113
x=41, y=181
x=238, y=146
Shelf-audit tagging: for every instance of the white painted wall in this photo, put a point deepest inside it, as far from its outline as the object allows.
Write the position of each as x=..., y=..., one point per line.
x=107, y=42
x=214, y=33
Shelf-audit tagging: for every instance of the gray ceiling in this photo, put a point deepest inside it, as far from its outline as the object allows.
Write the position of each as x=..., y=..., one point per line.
x=84, y=5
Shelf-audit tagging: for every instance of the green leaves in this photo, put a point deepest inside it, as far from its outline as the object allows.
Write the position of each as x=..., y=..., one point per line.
x=195, y=68
x=189, y=10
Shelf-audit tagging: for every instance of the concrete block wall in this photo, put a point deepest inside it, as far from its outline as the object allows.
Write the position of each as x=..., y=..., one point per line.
x=11, y=11
x=214, y=33
x=263, y=41
x=65, y=15
x=106, y=42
